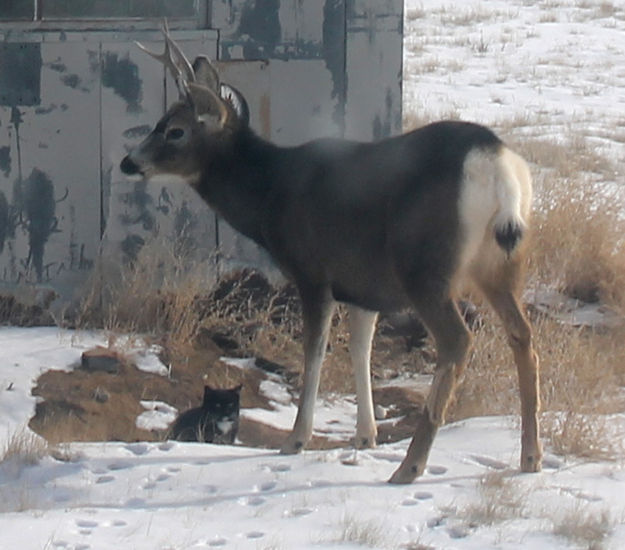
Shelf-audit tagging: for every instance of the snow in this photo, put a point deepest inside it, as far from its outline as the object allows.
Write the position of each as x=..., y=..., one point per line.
x=557, y=69
x=191, y=495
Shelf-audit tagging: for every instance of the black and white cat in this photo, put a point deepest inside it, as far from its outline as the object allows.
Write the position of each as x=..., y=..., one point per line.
x=216, y=421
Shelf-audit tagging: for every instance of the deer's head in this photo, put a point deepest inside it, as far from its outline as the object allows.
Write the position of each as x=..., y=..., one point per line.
x=206, y=115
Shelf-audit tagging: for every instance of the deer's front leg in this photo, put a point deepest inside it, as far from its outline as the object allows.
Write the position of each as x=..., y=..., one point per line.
x=361, y=329
x=317, y=310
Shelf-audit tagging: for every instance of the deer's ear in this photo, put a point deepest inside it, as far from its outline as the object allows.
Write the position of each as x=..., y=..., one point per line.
x=238, y=103
x=208, y=105
x=205, y=73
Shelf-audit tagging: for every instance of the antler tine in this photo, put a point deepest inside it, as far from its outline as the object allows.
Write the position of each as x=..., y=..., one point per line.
x=165, y=58
x=174, y=60
x=177, y=56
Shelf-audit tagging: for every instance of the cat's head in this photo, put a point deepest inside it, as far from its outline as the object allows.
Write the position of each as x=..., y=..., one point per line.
x=222, y=401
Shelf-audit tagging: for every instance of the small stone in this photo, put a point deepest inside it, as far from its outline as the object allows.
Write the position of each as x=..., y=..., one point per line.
x=380, y=412
x=101, y=359
x=100, y=395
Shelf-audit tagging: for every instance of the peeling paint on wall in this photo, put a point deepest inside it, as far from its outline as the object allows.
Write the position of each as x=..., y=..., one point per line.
x=5, y=160
x=333, y=50
x=4, y=220
x=122, y=75
x=260, y=21
x=38, y=207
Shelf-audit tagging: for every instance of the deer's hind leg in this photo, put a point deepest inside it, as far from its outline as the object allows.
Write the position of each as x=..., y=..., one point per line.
x=519, y=333
x=440, y=315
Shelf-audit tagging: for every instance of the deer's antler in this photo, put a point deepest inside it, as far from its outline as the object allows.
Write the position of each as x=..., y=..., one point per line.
x=174, y=59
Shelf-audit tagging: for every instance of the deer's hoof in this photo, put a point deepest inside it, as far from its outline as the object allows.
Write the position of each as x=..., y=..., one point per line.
x=407, y=473
x=365, y=441
x=291, y=447
x=532, y=459
x=531, y=464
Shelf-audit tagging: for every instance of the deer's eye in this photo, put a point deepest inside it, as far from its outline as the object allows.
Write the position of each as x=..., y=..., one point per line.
x=174, y=133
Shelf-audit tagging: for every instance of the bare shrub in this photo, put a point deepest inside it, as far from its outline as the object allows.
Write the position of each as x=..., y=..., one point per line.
x=581, y=435
x=499, y=499
x=153, y=294
x=583, y=526
x=365, y=533
x=24, y=447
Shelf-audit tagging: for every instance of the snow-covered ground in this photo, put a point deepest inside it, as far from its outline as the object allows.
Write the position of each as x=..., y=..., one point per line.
x=557, y=69
x=172, y=495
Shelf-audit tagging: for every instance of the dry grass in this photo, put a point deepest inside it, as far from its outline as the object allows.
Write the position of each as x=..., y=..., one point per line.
x=24, y=447
x=581, y=435
x=589, y=529
x=499, y=499
x=155, y=294
x=371, y=534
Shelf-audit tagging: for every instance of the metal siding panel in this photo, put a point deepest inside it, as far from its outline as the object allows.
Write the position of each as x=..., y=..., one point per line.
x=55, y=238
x=303, y=104
x=374, y=65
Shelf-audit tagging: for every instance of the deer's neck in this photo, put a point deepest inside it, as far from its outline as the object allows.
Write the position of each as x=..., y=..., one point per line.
x=237, y=181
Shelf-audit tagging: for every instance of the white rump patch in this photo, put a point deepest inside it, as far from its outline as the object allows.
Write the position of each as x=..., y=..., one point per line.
x=496, y=192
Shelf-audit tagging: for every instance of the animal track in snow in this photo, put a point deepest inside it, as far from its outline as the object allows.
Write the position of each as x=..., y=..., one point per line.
x=280, y=467
x=423, y=495
x=115, y=466
x=105, y=479
x=436, y=470
x=217, y=542
x=252, y=501
x=86, y=523
x=298, y=512
x=255, y=535
x=267, y=486
x=138, y=449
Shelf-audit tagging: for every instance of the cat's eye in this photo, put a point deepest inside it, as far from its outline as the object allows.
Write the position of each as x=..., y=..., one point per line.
x=174, y=134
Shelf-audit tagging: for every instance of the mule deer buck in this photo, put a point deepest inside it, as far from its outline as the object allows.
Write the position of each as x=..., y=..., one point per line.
x=377, y=226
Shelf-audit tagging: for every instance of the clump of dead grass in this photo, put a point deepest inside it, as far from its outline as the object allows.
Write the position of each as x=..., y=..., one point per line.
x=578, y=225
x=582, y=526
x=155, y=293
x=586, y=436
x=499, y=499
x=371, y=534
x=24, y=447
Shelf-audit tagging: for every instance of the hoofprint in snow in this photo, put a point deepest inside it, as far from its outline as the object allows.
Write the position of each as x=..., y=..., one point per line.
x=190, y=495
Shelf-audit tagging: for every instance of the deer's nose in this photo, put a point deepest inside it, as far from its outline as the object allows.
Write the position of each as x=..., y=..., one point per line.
x=129, y=166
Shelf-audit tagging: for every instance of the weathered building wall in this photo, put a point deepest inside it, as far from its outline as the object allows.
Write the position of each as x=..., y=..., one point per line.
x=73, y=100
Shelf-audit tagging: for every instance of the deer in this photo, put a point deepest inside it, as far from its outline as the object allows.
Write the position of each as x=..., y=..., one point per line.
x=403, y=222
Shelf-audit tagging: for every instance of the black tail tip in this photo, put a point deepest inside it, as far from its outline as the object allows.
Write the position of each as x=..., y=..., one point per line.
x=508, y=236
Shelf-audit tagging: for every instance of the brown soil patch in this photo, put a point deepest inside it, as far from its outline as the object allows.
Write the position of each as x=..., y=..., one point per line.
x=100, y=406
